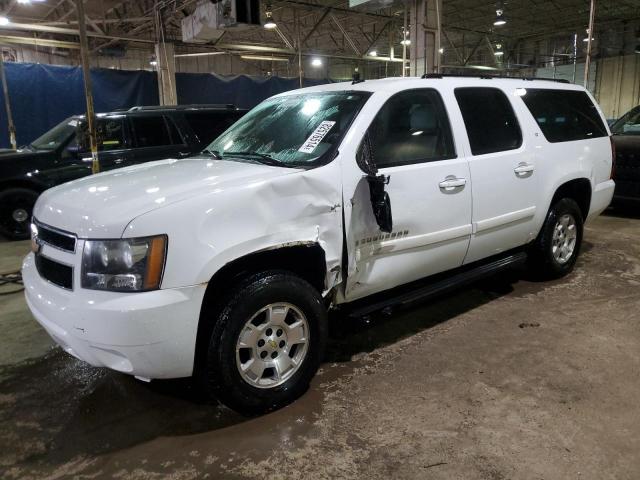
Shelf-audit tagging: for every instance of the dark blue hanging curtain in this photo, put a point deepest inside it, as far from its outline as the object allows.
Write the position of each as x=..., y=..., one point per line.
x=44, y=95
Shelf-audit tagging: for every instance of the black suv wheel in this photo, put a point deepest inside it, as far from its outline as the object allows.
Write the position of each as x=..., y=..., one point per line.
x=16, y=208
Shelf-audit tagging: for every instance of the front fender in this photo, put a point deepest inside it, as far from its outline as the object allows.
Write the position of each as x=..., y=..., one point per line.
x=209, y=231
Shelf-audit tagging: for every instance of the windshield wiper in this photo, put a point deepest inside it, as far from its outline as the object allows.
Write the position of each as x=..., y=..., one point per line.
x=214, y=153
x=261, y=157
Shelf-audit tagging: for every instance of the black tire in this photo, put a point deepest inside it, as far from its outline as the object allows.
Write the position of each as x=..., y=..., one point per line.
x=221, y=375
x=542, y=260
x=16, y=209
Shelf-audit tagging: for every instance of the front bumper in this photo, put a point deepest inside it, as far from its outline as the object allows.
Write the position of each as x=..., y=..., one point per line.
x=148, y=334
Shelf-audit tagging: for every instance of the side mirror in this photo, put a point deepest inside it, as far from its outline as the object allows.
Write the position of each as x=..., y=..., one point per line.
x=380, y=200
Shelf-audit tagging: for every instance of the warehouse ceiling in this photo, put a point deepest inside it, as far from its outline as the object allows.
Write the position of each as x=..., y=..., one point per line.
x=327, y=27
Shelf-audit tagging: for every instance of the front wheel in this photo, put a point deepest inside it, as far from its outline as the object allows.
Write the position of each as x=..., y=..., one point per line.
x=266, y=344
x=555, y=251
x=16, y=208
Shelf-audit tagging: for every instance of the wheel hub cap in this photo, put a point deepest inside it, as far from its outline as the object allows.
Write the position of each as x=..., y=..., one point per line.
x=272, y=345
x=20, y=215
x=564, y=239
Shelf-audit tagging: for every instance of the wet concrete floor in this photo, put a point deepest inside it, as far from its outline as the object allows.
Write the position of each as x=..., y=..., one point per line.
x=509, y=379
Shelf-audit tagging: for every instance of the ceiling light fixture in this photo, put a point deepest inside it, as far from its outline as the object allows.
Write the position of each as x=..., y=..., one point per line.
x=373, y=53
x=316, y=62
x=586, y=39
x=269, y=23
x=4, y=21
x=500, y=18
x=264, y=58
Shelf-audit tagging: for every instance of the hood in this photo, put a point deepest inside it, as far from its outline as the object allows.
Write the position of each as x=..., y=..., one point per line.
x=101, y=206
x=7, y=154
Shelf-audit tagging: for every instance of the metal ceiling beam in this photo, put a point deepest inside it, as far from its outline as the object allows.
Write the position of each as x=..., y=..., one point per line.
x=30, y=27
x=346, y=35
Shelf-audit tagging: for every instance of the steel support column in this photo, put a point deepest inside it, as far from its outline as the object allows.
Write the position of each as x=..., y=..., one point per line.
x=425, y=19
x=86, y=72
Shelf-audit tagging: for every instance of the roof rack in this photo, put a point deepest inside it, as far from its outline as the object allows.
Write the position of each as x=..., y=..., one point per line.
x=228, y=106
x=491, y=77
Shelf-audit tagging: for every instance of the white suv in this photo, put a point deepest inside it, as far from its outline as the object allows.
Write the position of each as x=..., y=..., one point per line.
x=351, y=195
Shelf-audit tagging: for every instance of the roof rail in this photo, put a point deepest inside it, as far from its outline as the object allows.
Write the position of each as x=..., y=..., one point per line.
x=490, y=77
x=143, y=108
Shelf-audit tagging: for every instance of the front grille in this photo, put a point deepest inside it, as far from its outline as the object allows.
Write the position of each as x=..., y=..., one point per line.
x=56, y=238
x=54, y=272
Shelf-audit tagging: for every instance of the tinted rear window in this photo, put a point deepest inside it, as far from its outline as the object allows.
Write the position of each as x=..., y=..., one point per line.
x=564, y=115
x=489, y=118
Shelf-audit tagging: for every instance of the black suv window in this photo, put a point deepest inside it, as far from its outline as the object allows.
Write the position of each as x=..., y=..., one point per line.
x=564, y=115
x=209, y=125
x=154, y=131
x=412, y=127
x=489, y=118
x=110, y=133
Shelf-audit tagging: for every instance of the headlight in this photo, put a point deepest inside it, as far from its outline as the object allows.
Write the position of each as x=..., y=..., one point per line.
x=127, y=265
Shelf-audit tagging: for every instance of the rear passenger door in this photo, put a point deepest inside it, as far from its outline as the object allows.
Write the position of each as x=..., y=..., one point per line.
x=156, y=137
x=503, y=171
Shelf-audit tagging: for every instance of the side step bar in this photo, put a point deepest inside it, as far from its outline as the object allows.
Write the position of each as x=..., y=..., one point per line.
x=465, y=277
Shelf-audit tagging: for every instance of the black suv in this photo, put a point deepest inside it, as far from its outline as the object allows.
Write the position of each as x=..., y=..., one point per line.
x=626, y=138
x=137, y=135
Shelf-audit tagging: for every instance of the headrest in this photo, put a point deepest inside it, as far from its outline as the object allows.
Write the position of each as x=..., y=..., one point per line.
x=423, y=117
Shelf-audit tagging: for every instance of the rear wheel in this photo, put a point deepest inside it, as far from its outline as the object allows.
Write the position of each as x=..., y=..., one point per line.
x=266, y=344
x=556, y=249
x=16, y=208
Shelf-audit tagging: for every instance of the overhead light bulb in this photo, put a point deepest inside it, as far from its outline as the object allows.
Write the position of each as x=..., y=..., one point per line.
x=269, y=24
x=500, y=20
x=316, y=62
x=405, y=42
x=4, y=20
x=373, y=53
x=441, y=50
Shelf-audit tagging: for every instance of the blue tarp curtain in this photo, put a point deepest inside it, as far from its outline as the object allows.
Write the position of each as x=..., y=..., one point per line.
x=44, y=95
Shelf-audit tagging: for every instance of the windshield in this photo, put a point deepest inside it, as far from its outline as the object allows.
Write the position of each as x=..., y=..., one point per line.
x=56, y=136
x=293, y=130
x=629, y=124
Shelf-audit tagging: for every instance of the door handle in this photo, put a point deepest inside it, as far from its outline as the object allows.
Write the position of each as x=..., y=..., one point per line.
x=184, y=154
x=523, y=168
x=452, y=182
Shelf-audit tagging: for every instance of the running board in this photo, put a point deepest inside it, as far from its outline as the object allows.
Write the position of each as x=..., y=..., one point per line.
x=465, y=276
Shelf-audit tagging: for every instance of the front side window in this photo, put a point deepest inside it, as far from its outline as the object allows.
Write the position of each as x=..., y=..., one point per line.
x=110, y=132
x=489, y=119
x=293, y=130
x=564, y=115
x=628, y=124
x=412, y=127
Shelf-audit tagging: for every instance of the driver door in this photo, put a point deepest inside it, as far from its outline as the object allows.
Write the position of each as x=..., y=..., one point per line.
x=430, y=192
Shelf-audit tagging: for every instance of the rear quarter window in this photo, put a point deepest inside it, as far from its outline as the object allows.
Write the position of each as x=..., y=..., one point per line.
x=209, y=125
x=490, y=121
x=564, y=115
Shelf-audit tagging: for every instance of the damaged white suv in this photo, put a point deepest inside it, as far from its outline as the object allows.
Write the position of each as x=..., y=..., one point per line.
x=223, y=266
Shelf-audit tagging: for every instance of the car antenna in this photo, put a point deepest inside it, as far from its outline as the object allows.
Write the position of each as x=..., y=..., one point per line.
x=356, y=77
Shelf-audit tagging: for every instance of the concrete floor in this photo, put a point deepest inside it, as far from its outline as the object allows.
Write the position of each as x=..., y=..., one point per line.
x=510, y=379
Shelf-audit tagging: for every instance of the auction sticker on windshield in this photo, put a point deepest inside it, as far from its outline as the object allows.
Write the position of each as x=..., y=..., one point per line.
x=316, y=137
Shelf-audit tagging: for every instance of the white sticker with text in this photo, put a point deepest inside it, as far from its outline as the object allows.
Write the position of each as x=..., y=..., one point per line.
x=316, y=137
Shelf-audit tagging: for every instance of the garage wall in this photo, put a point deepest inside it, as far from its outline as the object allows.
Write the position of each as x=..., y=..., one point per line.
x=618, y=84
